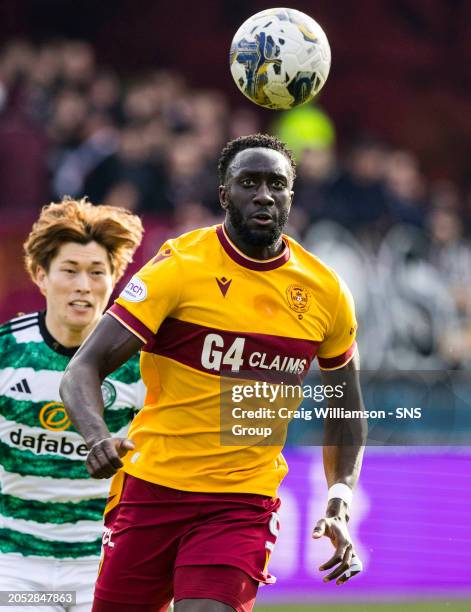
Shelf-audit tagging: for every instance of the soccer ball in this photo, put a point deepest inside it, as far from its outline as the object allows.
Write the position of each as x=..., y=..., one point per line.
x=280, y=58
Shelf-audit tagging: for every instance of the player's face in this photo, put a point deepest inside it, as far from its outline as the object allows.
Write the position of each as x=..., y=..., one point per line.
x=77, y=285
x=257, y=195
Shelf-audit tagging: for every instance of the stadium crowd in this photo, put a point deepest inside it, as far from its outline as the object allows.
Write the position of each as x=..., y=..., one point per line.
x=150, y=144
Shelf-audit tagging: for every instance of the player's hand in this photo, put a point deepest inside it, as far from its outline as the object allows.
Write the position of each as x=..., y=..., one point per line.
x=104, y=458
x=344, y=560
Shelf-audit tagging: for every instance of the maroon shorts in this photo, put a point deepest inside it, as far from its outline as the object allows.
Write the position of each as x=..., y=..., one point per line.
x=154, y=534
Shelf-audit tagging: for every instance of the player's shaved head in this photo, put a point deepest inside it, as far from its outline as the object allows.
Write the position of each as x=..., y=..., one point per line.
x=254, y=141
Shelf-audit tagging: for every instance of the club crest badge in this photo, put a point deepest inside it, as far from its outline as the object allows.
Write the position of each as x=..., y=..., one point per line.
x=299, y=298
x=108, y=392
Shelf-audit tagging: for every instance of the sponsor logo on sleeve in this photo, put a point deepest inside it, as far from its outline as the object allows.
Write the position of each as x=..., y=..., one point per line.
x=135, y=290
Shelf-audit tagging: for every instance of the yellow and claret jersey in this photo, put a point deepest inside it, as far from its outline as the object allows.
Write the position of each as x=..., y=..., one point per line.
x=204, y=309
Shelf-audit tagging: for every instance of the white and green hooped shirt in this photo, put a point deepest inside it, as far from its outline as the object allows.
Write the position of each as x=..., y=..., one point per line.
x=49, y=506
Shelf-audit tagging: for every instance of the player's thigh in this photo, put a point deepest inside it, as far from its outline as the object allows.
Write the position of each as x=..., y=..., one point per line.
x=20, y=573
x=78, y=576
x=22, y=577
x=133, y=573
x=239, y=532
x=143, y=533
x=213, y=588
x=83, y=597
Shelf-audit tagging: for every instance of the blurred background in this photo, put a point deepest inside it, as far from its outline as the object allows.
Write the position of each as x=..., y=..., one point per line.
x=130, y=104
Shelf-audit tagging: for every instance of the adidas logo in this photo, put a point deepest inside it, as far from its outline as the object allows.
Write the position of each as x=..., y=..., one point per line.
x=21, y=387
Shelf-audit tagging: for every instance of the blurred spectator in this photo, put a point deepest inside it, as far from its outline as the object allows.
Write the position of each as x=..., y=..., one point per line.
x=189, y=178
x=141, y=103
x=359, y=199
x=451, y=255
x=68, y=119
x=124, y=194
x=66, y=133
x=445, y=194
x=105, y=95
x=16, y=63
x=209, y=109
x=23, y=144
x=131, y=165
x=353, y=196
x=317, y=174
x=405, y=188
x=310, y=135
x=45, y=82
x=78, y=67
x=75, y=164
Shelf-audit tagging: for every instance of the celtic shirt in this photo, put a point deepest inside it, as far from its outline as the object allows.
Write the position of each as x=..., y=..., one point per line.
x=49, y=506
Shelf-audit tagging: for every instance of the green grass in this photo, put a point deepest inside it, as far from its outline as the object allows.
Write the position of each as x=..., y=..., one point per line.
x=424, y=606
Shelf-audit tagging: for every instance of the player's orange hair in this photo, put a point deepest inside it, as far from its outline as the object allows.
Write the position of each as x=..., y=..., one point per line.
x=116, y=229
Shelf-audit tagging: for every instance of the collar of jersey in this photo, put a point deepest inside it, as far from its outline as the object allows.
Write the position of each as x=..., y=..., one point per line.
x=260, y=265
x=52, y=343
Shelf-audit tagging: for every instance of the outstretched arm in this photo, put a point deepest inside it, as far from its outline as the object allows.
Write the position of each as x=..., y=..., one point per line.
x=108, y=346
x=344, y=441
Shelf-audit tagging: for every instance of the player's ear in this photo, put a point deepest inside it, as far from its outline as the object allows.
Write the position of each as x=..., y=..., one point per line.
x=223, y=200
x=40, y=279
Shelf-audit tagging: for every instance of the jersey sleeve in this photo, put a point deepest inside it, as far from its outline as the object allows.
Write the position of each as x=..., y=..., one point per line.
x=339, y=346
x=150, y=295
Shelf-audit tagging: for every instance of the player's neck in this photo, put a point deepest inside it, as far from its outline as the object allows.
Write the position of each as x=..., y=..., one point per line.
x=63, y=334
x=250, y=250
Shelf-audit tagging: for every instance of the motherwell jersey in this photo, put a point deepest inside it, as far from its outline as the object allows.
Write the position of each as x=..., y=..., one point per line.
x=204, y=309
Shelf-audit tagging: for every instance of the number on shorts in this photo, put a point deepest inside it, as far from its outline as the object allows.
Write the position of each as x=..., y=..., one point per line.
x=274, y=527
